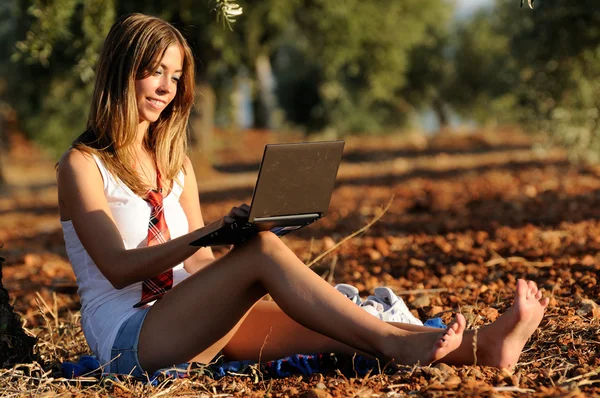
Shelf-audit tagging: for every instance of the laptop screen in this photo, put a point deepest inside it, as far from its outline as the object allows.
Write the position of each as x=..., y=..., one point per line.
x=296, y=179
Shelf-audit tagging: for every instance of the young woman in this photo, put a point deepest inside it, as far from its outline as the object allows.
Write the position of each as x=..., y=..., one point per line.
x=129, y=208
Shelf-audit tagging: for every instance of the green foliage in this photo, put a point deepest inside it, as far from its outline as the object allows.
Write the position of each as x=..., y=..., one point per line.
x=227, y=11
x=485, y=76
x=51, y=73
x=430, y=72
x=53, y=47
x=354, y=59
x=349, y=66
x=538, y=68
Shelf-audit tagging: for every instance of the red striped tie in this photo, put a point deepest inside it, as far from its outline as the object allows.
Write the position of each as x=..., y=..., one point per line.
x=158, y=232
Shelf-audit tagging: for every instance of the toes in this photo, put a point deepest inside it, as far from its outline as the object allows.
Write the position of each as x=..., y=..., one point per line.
x=448, y=335
x=457, y=327
x=532, y=287
x=538, y=295
x=522, y=288
x=544, y=302
x=461, y=322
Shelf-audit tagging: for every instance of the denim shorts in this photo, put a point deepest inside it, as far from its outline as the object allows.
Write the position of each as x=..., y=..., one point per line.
x=124, y=351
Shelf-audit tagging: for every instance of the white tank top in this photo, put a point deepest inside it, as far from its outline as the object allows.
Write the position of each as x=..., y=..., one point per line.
x=104, y=308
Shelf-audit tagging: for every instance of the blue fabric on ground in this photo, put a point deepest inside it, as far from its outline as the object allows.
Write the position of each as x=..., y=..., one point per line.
x=300, y=364
x=435, y=323
x=307, y=364
x=87, y=365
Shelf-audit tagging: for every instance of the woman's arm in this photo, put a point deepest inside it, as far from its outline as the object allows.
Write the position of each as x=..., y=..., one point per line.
x=81, y=194
x=191, y=206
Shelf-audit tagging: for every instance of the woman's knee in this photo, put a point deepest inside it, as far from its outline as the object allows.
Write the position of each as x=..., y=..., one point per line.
x=265, y=243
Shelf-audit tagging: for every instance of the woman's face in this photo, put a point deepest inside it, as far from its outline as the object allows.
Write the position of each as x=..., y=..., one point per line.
x=156, y=91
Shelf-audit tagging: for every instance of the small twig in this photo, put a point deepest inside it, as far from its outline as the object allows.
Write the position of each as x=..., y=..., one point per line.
x=503, y=261
x=512, y=389
x=398, y=385
x=417, y=291
x=119, y=384
x=587, y=382
x=238, y=374
x=165, y=391
x=261, y=351
x=379, y=369
x=332, y=269
x=39, y=302
x=47, y=307
x=310, y=249
x=537, y=360
x=55, y=310
x=264, y=344
x=352, y=235
x=585, y=375
x=475, y=346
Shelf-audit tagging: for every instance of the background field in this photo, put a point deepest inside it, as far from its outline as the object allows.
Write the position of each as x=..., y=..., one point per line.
x=476, y=121
x=470, y=215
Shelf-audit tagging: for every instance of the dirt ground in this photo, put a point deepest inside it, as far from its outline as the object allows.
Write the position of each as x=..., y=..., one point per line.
x=469, y=215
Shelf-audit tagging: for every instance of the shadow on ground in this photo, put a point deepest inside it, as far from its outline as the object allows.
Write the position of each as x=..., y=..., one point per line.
x=381, y=155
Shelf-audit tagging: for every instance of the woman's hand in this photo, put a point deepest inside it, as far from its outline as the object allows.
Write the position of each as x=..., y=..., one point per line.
x=237, y=213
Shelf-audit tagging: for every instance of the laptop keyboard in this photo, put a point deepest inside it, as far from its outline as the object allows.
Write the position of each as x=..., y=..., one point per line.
x=240, y=231
x=231, y=234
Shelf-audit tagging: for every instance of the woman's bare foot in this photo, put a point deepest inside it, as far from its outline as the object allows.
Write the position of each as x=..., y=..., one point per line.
x=500, y=343
x=451, y=339
x=441, y=343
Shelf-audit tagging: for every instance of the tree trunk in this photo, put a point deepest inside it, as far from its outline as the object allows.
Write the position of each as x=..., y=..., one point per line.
x=3, y=152
x=15, y=346
x=3, y=145
x=265, y=115
x=241, y=100
x=202, y=123
x=442, y=114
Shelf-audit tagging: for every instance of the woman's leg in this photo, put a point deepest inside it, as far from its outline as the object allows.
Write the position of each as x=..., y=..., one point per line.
x=203, y=311
x=500, y=343
x=264, y=334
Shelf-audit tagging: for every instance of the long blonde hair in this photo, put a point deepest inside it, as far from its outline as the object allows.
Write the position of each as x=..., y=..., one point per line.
x=133, y=50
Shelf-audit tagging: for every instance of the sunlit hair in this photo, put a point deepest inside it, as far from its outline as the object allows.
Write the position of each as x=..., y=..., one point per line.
x=133, y=50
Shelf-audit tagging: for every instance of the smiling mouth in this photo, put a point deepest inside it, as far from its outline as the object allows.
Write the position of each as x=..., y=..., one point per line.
x=156, y=104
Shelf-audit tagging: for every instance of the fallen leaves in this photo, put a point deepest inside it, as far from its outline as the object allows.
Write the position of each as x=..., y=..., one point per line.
x=588, y=308
x=463, y=227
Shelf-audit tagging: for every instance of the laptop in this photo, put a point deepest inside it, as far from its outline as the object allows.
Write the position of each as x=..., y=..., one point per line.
x=293, y=189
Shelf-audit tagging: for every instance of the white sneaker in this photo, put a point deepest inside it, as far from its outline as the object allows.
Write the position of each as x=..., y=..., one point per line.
x=349, y=291
x=372, y=309
x=389, y=307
